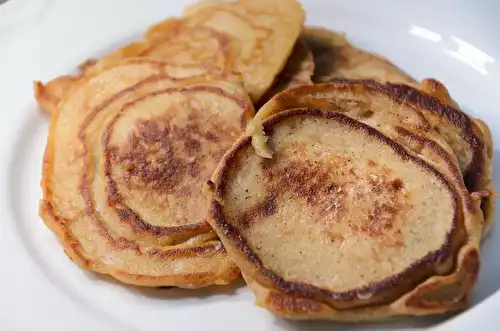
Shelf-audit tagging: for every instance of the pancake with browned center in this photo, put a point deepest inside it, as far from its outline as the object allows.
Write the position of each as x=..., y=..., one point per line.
x=127, y=153
x=342, y=222
x=253, y=37
x=455, y=134
x=335, y=57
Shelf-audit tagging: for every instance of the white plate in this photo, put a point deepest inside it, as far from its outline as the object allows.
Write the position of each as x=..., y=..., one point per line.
x=40, y=289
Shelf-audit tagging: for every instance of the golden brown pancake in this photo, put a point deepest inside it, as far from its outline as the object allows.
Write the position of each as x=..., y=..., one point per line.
x=253, y=37
x=335, y=57
x=126, y=156
x=365, y=101
x=342, y=222
x=452, y=130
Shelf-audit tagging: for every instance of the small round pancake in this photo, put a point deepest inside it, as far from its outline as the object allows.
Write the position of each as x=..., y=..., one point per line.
x=253, y=37
x=126, y=156
x=335, y=57
x=342, y=222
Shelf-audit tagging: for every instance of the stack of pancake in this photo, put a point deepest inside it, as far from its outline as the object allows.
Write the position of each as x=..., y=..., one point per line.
x=339, y=187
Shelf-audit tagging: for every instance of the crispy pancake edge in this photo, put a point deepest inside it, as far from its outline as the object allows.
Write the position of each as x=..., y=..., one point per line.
x=231, y=237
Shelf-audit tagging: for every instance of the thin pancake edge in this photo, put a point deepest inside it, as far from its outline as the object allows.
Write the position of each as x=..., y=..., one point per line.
x=297, y=184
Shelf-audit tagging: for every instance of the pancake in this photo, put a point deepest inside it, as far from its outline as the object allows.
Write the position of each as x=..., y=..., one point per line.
x=451, y=130
x=335, y=57
x=342, y=222
x=252, y=37
x=127, y=153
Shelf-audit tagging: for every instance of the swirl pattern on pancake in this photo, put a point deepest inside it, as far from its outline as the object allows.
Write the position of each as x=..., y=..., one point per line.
x=126, y=156
x=253, y=37
x=344, y=189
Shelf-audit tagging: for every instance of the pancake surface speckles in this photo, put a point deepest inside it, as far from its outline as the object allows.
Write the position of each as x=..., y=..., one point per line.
x=126, y=157
x=351, y=181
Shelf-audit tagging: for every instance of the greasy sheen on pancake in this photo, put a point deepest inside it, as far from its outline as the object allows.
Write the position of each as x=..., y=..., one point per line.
x=127, y=153
x=335, y=57
x=253, y=37
x=342, y=222
x=411, y=116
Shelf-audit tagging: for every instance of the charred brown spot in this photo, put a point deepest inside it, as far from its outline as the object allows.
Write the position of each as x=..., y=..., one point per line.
x=211, y=137
x=157, y=156
x=372, y=163
x=335, y=237
x=210, y=185
x=397, y=184
x=192, y=145
x=385, y=208
x=305, y=179
x=381, y=219
x=127, y=215
x=331, y=189
x=265, y=208
x=150, y=158
x=122, y=243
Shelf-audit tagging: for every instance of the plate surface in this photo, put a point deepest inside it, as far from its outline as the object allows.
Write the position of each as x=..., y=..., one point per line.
x=40, y=289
